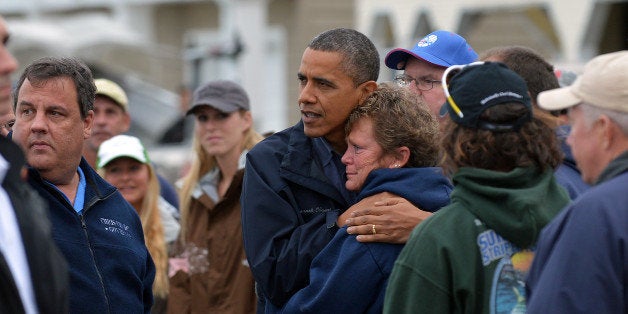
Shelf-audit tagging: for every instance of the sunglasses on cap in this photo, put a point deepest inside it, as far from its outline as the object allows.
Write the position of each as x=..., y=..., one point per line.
x=447, y=75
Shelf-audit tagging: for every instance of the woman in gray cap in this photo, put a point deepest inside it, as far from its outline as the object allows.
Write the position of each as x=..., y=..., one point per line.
x=209, y=272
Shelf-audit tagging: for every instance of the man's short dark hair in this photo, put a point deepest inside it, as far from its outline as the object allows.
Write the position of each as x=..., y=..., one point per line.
x=361, y=59
x=44, y=69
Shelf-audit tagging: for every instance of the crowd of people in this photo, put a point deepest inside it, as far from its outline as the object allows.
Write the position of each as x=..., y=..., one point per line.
x=472, y=183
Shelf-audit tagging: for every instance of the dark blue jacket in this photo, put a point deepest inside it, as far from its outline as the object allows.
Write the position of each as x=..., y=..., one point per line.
x=567, y=174
x=110, y=268
x=168, y=192
x=349, y=276
x=289, y=212
x=581, y=261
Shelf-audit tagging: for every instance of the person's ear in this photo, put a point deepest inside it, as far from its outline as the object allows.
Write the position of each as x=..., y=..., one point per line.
x=366, y=89
x=608, y=131
x=126, y=121
x=400, y=158
x=247, y=117
x=88, y=122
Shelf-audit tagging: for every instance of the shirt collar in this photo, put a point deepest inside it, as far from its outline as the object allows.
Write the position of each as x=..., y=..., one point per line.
x=208, y=183
x=323, y=149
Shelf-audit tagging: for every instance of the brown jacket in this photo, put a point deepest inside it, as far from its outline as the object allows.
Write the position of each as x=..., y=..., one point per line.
x=222, y=281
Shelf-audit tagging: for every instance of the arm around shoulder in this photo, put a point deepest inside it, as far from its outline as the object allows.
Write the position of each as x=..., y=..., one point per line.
x=394, y=218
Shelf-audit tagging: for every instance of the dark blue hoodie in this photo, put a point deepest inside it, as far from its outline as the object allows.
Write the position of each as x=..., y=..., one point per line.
x=110, y=268
x=567, y=174
x=348, y=276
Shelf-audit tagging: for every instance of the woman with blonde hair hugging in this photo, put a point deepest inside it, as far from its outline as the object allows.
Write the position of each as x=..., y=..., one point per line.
x=209, y=269
x=123, y=162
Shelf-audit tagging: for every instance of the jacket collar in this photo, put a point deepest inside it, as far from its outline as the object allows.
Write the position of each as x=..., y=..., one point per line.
x=616, y=167
x=96, y=187
x=300, y=166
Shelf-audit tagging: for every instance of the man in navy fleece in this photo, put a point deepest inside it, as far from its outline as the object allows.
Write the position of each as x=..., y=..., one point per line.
x=97, y=231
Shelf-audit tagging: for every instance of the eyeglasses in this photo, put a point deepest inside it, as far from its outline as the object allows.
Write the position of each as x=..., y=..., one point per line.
x=449, y=73
x=422, y=84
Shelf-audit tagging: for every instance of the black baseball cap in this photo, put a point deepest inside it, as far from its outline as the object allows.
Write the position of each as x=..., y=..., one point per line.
x=473, y=88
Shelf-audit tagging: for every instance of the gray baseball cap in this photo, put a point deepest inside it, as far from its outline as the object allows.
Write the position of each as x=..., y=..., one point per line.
x=225, y=96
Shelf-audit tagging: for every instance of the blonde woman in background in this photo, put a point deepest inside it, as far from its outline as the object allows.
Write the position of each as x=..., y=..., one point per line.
x=209, y=272
x=123, y=162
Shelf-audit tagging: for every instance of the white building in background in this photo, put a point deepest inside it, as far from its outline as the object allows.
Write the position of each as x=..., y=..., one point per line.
x=566, y=32
x=154, y=46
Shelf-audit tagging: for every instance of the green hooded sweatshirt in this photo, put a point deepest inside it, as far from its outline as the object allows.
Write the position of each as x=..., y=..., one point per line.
x=472, y=256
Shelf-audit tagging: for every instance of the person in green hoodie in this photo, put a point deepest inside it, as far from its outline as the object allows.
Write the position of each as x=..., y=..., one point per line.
x=472, y=256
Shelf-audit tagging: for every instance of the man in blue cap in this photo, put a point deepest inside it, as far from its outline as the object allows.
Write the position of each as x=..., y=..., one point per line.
x=425, y=63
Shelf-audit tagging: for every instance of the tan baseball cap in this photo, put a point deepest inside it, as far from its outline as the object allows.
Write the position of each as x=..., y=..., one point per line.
x=602, y=84
x=112, y=90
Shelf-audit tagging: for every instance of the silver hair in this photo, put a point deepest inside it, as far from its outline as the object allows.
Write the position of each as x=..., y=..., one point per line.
x=591, y=113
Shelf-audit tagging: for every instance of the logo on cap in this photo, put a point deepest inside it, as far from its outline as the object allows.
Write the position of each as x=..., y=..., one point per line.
x=427, y=40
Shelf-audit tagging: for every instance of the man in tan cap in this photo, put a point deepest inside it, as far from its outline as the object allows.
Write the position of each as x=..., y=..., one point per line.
x=579, y=265
x=111, y=117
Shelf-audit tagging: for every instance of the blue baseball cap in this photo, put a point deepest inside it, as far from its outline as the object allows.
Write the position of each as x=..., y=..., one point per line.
x=442, y=48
